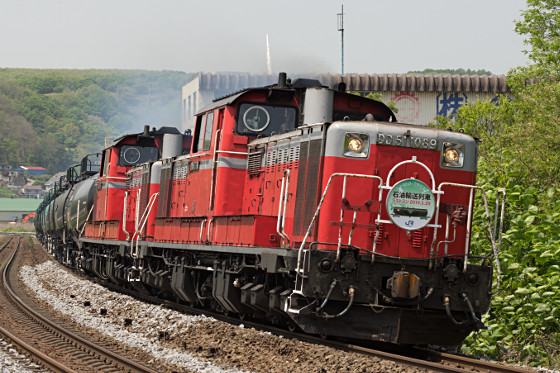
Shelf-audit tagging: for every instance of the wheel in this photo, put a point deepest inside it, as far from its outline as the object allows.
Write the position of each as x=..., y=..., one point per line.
x=292, y=326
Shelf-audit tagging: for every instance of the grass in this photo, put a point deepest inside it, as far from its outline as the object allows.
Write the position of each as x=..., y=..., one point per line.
x=6, y=192
x=17, y=227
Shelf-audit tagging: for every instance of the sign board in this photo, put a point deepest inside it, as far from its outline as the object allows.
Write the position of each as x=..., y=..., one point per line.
x=410, y=204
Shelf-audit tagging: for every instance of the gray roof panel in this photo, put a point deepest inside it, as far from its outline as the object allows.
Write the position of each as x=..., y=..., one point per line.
x=367, y=82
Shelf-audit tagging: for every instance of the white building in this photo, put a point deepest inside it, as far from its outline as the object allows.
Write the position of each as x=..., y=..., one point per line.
x=419, y=98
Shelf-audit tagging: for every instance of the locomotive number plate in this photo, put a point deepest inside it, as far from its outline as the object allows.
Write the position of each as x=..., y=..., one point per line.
x=407, y=141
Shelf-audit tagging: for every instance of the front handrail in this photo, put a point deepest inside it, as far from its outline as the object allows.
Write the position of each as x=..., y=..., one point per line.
x=280, y=224
x=500, y=200
x=299, y=270
x=141, y=223
x=494, y=241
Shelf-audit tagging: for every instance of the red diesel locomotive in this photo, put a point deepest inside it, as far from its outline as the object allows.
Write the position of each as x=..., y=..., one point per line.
x=293, y=203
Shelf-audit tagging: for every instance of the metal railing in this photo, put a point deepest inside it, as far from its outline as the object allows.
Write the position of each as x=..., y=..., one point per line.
x=434, y=249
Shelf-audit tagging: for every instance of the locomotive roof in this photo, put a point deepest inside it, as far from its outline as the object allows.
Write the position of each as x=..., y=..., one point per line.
x=161, y=131
x=300, y=83
x=229, y=99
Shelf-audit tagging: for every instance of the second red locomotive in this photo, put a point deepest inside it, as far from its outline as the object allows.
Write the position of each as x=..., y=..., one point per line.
x=292, y=203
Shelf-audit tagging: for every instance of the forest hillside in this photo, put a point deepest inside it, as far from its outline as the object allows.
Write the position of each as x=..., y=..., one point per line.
x=52, y=118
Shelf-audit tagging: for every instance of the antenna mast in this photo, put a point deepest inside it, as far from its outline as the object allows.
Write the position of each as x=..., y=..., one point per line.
x=341, y=29
x=268, y=62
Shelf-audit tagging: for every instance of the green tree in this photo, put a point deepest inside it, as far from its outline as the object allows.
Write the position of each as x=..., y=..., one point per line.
x=519, y=150
x=536, y=91
x=52, y=118
x=96, y=101
x=377, y=97
x=541, y=27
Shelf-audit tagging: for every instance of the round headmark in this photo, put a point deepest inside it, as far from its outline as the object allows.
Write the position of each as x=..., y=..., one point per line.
x=131, y=155
x=410, y=204
x=256, y=119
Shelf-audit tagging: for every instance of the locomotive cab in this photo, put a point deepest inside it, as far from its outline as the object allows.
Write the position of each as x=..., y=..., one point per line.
x=122, y=156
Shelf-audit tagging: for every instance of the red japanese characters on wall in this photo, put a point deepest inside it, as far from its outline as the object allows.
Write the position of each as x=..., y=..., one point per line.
x=409, y=106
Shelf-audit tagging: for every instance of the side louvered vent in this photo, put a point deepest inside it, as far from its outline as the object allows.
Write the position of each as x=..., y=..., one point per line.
x=294, y=154
x=145, y=188
x=271, y=160
x=313, y=164
x=300, y=193
x=254, y=162
x=165, y=188
x=307, y=185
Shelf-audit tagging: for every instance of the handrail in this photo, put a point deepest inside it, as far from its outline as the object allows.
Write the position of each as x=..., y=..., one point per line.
x=495, y=248
x=85, y=222
x=125, y=207
x=230, y=152
x=493, y=231
x=214, y=161
x=78, y=216
x=300, y=250
x=140, y=224
x=208, y=230
x=280, y=224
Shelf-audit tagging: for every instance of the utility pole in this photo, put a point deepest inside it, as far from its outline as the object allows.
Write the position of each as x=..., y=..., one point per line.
x=341, y=29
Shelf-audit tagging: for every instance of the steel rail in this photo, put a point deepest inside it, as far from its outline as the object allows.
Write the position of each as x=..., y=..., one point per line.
x=104, y=353
x=458, y=360
x=6, y=243
x=421, y=358
x=29, y=350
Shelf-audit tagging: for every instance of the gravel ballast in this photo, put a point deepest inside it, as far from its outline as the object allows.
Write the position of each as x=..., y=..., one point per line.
x=10, y=359
x=194, y=343
x=83, y=301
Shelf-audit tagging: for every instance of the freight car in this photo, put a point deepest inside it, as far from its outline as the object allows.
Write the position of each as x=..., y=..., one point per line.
x=296, y=204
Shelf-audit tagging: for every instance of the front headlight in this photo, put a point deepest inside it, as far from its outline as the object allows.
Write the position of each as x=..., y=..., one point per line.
x=452, y=154
x=356, y=145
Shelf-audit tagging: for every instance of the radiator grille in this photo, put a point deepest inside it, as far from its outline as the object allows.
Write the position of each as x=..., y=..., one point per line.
x=300, y=192
x=145, y=188
x=165, y=188
x=254, y=163
x=307, y=185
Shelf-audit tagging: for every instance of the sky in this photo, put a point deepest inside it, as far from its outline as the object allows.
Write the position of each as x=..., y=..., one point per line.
x=219, y=35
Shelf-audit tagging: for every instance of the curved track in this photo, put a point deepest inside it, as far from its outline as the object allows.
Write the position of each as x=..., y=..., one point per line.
x=430, y=360
x=49, y=344
x=426, y=359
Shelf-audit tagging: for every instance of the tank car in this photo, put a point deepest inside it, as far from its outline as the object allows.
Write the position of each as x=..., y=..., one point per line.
x=300, y=205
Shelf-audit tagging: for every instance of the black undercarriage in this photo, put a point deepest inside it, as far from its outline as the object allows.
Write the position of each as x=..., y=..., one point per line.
x=407, y=301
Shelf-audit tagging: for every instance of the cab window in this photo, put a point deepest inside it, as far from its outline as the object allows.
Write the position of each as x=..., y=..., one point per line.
x=198, y=135
x=208, y=131
x=265, y=120
x=106, y=159
x=200, y=131
x=132, y=155
x=203, y=132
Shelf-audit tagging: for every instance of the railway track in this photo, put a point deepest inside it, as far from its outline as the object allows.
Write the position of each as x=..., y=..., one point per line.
x=424, y=359
x=439, y=361
x=430, y=360
x=50, y=345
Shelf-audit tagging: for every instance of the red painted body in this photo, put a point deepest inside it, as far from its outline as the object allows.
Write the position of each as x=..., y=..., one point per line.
x=276, y=208
x=212, y=196
x=392, y=241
